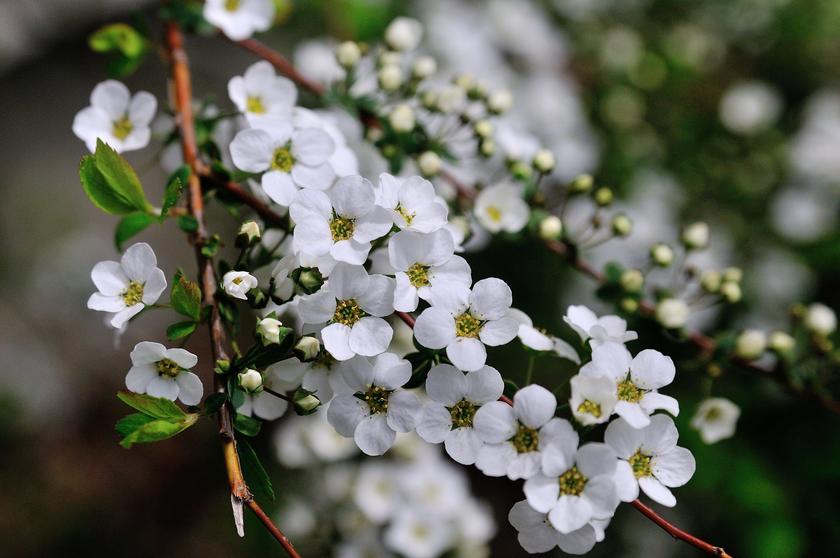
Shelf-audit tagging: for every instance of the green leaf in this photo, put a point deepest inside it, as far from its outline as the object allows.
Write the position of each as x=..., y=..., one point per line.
x=99, y=191
x=118, y=37
x=255, y=474
x=156, y=430
x=174, y=188
x=156, y=407
x=111, y=183
x=132, y=422
x=214, y=402
x=188, y=223
x=185, y=296
x=248, y=426
x=180, y=330
x=131, y=225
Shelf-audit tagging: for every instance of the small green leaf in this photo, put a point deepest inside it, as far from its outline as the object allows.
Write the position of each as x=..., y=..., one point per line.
x=246, y=425
x=156, y=430
x=255, y=474
x=214, y=402
x=119, y=37
x=188, y=223
x=174, y=188
x=156, y=407
x=211, y=247
x=132, y=422
x=180, y=330
x=185, y=296
x=131, y=225
x=121, y=176
x=99, y=191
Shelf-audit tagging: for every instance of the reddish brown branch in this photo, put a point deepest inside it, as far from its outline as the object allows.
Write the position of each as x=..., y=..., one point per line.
x=678, y=533
x=407, y=318
x=268, y=215
x=185, y=121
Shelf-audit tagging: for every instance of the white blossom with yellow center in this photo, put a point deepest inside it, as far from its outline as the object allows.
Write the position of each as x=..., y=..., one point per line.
x=262, y=96
x=116, y=117
x=239, y=19
x=501, y=208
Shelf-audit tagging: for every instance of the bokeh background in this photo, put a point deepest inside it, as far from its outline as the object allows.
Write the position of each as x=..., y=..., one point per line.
x=721, y=110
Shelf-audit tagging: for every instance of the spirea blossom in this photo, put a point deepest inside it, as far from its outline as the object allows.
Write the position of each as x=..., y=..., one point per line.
x=264, y=98
x=162, y=372
x=239, y=19
x=598, y=330
x=116, y=117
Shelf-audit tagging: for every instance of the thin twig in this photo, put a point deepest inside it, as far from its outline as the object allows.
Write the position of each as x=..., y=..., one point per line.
x=184, y=119
x=268, y=215
x=678, y=533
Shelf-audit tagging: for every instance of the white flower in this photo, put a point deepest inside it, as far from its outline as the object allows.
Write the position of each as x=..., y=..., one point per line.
x=637, y=380
x=501, y=208
x=238, y=283
x=606, y=329
x=650, y=459
x=750, y=107
x=324, y=376
x=424, y=67
x=390, y=78
x=515, y=437
x=423, y=264
x=418, y=535
x=593, y=399
x=353, y=303
x=539, y=340
x=412, y=203
x=375, y=491
x=127, y=286
x=672, y=313
x=404, y=33
x=464, y=321
x=456, y=397
x=378, y=409
x=820, y=319
x=239, y=19
x=162, y=372
x=262, y=96
x=259, y=401
x=576, y=484
x=537, y=535
x=716, y=418
x=269, y=330
x=341, y=223
x=115, y=117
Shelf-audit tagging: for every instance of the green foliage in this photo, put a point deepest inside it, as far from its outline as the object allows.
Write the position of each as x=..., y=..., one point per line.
x=246, y=425
x=255, y=474
x=187, y=223
x=111, y=183
x=186, y=296
x=179, y=330
x=157, y=420
x=214, y=402
x=124, y=43
x=173, y=191
x=131, y=225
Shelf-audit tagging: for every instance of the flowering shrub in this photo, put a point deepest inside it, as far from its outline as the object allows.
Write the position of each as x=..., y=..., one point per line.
x=332, y=263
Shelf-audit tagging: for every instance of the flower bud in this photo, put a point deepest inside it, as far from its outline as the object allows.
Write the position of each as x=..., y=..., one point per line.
x=348, y=54
x=483, y=128
x=250, y=380
x=305, y=402
x=820, y=319
x=710, y=281
x=622, y=225
x=750, y=344
x=389, y=58
x=269, y=330
x=499, y=101
x=629, y=305
x=487, y=147
x=781, y=342
x=730, y=291
x=662, y=255
x=308, y=279
x=696, y=236
x=429, y=163
x=464, y=81
x=404, y=33
x=402, y=118
x=222, y=366
x=390, y=77
x=672, y=313
x=423, y=67
x=544, y=161
x=603, y=196
x=632, y=280
x=734, y=274
x=249, y=233
x=551, y=228
x=520, y=170
x=307, y=348
x=429, y=99
x=581, y=184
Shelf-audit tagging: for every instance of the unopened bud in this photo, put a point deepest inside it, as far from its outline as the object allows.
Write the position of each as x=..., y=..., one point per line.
x=499, y=101
x=250, y=380
x=750, y=344
x=632, y=280
x=249, y=233
x=429, y=99
x=544, y=161
x=622, y=225
x=696, y=236
x=307, y=348
x=551, y=228
x=402, y=118
x=404, y=33
x=581, y=184
x=662, y=255
x=629, y=305
x=429, y=163
x=423, y=67
x=820, y=319
x=348, y=54
x=603, y=196
x=487, y=147
x=734, y=274
x=269, y=330
x=730, y=291
x=305, y=402
x=222, y=366
x=390, y=77
x=308, y=279
x=781, y=342
x=672, y=313
x=710, y=281
x=483, y=128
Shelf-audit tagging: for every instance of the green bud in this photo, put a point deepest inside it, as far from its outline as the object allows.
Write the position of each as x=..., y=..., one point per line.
x=632, y=280
x=305, y=402
x=603, y=196
x=622, y=225
x=308, y=279
x=581, y=184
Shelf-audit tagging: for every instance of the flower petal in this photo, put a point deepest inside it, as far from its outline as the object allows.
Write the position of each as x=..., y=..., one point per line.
x=345, y=413
x=490, y=299
x=373, y=435
x=446, y=384
x=191, y=388
x=466, y=353
x=370, y=336
x=403, y=408
x=534, y=405
x=495, y=422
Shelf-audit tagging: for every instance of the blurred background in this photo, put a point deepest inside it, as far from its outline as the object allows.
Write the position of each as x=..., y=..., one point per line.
x=722, y=110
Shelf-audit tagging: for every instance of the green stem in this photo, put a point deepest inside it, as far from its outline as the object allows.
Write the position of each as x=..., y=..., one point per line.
x=530, y=371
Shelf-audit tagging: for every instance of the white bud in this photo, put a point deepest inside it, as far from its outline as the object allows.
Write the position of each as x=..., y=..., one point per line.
x=307, y=348
x=710, y=281
x=402, y=118
x=429, y=99
x=622, y=225
x=483, y=128
x=672, y=313
x=487, y=147
x=424, y=67
x=820, y=319
x=750, y=344
x=269, y=330
x=390, y=77
x=730, y=291
x=632, y=280
x=429, y=163
x=238, y=283
x=348, y=54
x=464, y=81
x=404, y=33
x=250, y=230
x=551, y=228
x=500, y=101
x=250, y=380
x=696, y=236
x=450, y=99
x=662, y=255
x=733, y=274
x=544, y=161
x=390, y=58
x=781, y=342
x=582, y=183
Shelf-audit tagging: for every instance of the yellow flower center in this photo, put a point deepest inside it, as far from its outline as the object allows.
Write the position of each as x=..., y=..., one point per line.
x=467, y=325
x=526, y=439
x=494, y=213
x=377, y=399
x=348, y=312
x=590, y=408
x=713, y=414
x=122, y=127
x=572, y=482
x=282, y=160
x=255, y=105
x=640, y=463
x=627, y=391
x=133, y=294
x=342, y=228
x=409, y=217
x=167, y=367
x=418, y=275
x=462, y=414
x=232, y=5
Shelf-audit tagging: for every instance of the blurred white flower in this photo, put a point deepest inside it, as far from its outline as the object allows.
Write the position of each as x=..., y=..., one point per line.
x=715, y=419
x=264, y=98
x=501, y=208
x=750, y=107
x=672, y=313
x=239, y=19
x=404, y=33
x=820, y=319
x=606, y=329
